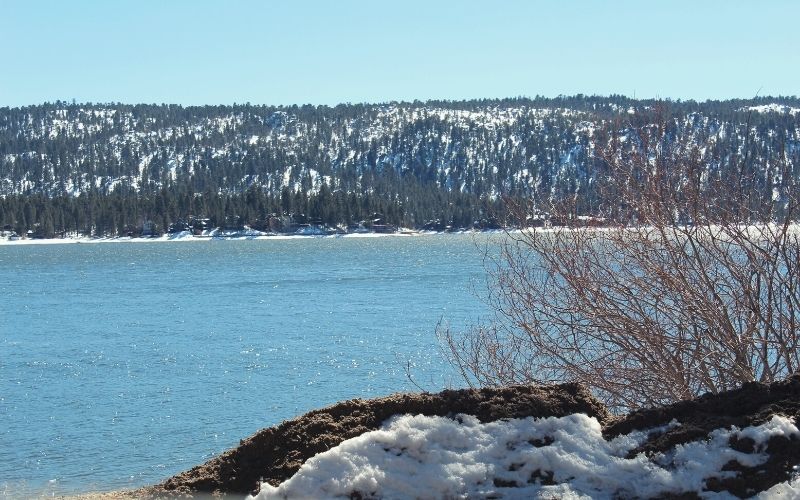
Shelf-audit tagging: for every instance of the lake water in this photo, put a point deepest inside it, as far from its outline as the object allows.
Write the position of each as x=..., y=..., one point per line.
x=124, y=363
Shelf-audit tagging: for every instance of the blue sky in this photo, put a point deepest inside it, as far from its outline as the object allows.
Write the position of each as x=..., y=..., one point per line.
x=329, y=51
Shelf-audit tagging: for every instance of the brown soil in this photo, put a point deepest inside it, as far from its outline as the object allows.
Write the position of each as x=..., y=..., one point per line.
x=276, y=453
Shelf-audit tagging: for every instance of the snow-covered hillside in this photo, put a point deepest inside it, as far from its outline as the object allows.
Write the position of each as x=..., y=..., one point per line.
x=544, y=146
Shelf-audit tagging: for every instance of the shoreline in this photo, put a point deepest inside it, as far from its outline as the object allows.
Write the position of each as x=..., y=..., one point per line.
x=192, y=238
x=405, y=233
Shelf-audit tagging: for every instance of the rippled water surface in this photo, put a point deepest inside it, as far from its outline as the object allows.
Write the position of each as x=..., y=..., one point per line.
x=124, y=363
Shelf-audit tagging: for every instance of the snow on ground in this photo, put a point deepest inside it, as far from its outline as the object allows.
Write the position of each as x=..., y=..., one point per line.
x=185, y=236
x=566, y=457
x=788, y=490
x=773, y=108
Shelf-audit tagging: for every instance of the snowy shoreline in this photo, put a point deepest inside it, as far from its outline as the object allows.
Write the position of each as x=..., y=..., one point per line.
x=256, y=235
x=191, y=238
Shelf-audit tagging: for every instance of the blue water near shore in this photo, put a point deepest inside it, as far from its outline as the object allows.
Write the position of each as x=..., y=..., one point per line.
x=124, y=363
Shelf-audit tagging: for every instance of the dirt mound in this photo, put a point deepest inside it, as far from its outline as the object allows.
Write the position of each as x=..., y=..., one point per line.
x=276, y=453
x=752, y=404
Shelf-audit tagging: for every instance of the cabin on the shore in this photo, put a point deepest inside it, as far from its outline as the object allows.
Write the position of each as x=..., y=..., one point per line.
x=9, y=234
x=178, y=226
x=278, y=223
x=233, y=223
x=198, y=225
x=438, y=226
x=384, y=228
x=148, y=229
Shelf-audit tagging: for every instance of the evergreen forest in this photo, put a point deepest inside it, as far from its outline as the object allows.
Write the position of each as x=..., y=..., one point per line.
x=118, y=169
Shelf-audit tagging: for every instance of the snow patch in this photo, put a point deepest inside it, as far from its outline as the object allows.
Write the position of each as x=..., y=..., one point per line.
x=566, y=457
x=773, y=108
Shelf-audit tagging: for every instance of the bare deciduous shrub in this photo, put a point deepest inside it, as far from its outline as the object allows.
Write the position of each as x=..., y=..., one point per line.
x=684, y=282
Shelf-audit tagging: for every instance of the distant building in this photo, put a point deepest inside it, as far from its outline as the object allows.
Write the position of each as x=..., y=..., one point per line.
x=233, y=223
x=148, y=229
x=9, y=233
x=279, y=223
x=199, y=225
x=178, y=226
x=384, y=228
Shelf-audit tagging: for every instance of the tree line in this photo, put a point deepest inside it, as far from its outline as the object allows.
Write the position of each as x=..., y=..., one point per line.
x=125, y=213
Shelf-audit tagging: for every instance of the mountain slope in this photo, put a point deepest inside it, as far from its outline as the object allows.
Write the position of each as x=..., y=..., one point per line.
x=435, y=160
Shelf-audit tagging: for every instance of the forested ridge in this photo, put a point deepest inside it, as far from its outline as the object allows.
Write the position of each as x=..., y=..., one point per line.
x=106, y=169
